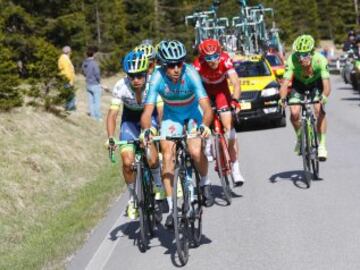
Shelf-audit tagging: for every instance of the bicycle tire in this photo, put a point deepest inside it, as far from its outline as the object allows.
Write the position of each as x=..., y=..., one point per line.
x=220, y=169
x=149, y=205
x=315, y=159
x=305, y=152
x=143, y=241
x=181, y=222
x=196, y=220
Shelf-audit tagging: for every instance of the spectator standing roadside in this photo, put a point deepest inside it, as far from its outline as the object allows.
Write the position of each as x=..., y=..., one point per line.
x=91, y=71
x=66, y=69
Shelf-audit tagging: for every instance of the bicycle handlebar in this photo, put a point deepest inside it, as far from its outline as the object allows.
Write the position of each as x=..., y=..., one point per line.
x=175, y=138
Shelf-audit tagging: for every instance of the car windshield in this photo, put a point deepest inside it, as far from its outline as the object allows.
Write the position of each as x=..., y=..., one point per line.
x=273, y=60
x=251, y=69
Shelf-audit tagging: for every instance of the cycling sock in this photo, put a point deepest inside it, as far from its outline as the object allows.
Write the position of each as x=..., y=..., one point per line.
x=231, y=134
x=322, y=139
x=170, y=203
x=156, y=175
x=298, y=134
x=235, y=168
x=131, y=189
x=204, y=180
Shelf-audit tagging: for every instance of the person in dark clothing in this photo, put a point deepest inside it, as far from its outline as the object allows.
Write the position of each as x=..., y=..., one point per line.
x=349, y=44
x=91, y=70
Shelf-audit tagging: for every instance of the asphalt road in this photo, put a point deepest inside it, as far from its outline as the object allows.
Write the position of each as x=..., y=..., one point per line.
x=274, y=222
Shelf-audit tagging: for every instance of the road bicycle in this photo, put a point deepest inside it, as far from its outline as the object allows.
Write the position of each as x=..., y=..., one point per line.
x=309, y=139
x=187, y=211
x=144, y=197
x=223, y=164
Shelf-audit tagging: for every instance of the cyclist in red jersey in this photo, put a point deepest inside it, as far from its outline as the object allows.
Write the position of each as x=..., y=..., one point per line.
x=215, y=66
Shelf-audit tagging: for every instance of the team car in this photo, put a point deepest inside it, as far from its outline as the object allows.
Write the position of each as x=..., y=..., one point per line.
x=259, y=90
x=277, y=65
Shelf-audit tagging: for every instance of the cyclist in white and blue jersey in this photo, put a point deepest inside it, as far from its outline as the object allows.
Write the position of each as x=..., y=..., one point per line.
x=185, y=100
x=131, y=92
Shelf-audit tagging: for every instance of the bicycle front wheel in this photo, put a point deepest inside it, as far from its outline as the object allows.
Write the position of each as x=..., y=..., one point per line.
x=221, y=167
x=314, y=159
x=196, y=217
x=143, y=241
x=181, y=223
x=305, y=152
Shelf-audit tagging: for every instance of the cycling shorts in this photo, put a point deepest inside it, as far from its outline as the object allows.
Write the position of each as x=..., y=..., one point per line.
x=299, y=88
x=130, y=130
x=221, y=97
x=173, y=122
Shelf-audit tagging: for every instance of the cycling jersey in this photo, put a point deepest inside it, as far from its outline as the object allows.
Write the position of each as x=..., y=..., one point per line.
x=215, y=80
x=294, y=70
x=132, y=110
x=124, y=95
x=302, y=82
x=180, y=98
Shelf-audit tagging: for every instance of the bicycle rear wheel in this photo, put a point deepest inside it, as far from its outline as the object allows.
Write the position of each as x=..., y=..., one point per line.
x=305, y=152
x=143, y=241
x=196, y=218
x=181, y=222
x=221, y=167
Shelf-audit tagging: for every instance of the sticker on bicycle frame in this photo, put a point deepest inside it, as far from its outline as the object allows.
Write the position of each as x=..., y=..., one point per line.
x=245, y=105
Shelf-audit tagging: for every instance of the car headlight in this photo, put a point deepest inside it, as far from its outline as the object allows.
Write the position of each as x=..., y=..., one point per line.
x=267, y=92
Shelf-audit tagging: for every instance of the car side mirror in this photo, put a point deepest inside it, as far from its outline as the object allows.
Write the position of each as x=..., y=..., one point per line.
x=279, y=72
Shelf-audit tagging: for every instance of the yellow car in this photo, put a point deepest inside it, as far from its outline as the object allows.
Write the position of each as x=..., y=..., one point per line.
x=259, y=90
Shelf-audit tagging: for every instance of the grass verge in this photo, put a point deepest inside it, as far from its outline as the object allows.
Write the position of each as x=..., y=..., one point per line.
x=46, y=245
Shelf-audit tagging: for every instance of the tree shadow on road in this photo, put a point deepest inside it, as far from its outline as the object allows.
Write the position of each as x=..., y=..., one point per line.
x=296, y=176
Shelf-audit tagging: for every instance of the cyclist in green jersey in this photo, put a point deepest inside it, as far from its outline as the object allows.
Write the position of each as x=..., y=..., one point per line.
x=308, y=70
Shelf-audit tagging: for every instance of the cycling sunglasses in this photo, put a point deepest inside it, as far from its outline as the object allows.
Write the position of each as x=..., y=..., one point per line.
x=211, y=58
x=304, y=56
x=173, y=65
x=138, y=75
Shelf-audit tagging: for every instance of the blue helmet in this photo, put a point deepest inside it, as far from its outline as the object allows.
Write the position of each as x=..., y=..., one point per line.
x=171, y=51
x=135, y=62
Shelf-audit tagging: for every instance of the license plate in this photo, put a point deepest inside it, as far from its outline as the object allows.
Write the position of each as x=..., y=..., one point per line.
x=245, y=105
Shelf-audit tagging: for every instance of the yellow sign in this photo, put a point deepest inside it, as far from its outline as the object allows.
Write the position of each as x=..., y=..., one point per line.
x=245, y=106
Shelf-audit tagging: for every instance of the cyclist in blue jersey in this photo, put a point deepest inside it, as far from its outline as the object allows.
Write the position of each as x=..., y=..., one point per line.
x=185, y=100
x=130, y=92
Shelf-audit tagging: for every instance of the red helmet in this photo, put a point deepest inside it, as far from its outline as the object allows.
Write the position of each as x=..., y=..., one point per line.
x=209, y=47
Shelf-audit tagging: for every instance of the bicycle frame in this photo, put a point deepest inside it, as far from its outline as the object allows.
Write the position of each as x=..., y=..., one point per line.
x=309, y=139
x=218, y=131
x=143, y=194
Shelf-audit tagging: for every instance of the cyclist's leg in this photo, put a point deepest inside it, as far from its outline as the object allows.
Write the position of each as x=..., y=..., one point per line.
x=223, y=100
x=321, y=127
x=153, y=161
x=170, y=126
x=295, y=110
x=197, y=154
x=129, y=131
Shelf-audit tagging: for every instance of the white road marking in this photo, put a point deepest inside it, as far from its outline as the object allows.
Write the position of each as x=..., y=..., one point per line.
x=107, y=246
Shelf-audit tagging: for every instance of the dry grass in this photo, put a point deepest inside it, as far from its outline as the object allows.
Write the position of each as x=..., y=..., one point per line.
x=50, y=167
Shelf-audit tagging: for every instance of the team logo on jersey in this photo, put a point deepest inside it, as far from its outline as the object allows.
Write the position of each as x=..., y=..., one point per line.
x=172, y=129
x=167, y=89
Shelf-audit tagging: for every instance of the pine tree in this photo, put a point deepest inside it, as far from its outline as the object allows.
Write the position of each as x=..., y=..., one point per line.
x=344, y=19
x=10, y=95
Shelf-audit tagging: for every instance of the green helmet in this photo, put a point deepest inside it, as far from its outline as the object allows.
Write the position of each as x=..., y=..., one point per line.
x=147, y=49
x=303, y=44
